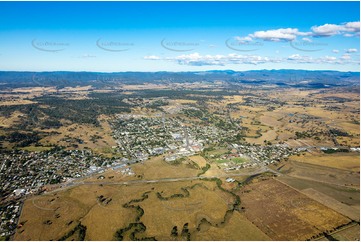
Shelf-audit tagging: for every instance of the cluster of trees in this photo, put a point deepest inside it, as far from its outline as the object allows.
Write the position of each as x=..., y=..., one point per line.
x=82, y=232
x=338, y=132
x=81, y=111
x=21, y=139
x=185, y=190
x=327, y=233
x=204, y=169
x=331, y=151
x=137, y=227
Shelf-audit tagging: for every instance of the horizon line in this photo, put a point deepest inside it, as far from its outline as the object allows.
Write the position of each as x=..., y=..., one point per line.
x=220, y=70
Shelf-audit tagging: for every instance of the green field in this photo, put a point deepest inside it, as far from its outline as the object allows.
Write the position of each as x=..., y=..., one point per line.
x=237, y=160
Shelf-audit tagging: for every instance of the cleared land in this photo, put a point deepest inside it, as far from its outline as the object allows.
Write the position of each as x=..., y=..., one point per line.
x=199, y=211
x=156, y=168
x=322, y=174
x=201, y=162
x=345, y=161
x=332, y=203
x=286, y=214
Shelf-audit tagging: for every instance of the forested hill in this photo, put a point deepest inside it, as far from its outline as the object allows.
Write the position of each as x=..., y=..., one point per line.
x=99, y=79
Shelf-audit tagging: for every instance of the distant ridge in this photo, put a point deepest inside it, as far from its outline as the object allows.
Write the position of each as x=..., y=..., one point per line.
x=281, y=77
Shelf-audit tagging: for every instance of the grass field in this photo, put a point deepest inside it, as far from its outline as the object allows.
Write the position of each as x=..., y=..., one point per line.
x=201, y=162
x=237, y=160
x=269, y=135
x=350, y=234
x=323, y=174
x=199, y=205
x=157, y=168
x=238, y=228
x=217, y=151
x=67, y=135
x=332, y=203
x=14, y=118
x=350, y=197
x=345, y=161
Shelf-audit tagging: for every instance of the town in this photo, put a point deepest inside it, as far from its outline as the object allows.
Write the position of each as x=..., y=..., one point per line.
x=139, y=138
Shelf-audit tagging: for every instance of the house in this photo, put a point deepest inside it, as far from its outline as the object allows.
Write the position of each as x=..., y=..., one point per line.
x=19, y=192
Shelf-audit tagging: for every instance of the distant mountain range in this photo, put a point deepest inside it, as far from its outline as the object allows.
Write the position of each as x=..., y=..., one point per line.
x=295, y=78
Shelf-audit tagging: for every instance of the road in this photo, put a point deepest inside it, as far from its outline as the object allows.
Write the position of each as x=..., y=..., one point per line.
x=168, y=179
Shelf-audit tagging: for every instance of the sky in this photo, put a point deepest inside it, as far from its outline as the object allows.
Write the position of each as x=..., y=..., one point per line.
x=179, y=36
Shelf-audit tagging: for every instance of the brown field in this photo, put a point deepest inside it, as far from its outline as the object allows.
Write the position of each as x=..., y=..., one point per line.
x=76, y=89
x=352, y=128
x=332, y=203
x=34, y=89
x=161, y=216
x=144, y=87
x=78, y=204
x=345, y=161
x=350, y=197
x=182, y=101
x=85, y=132
x=214, y=170
x=201, y=162
x=271, y=119
x=349, y=141
x=286, y=214
x=309, y=142
x=350, y=95
x=232, y=99
x=156, y=168
x=238, y=226
x=323, y=174
x=270, y=135
x=48, y=217
x=349, y=234
x=14, y=118
x=16, y=102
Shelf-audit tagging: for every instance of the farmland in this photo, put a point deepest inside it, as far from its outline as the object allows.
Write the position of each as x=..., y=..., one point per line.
x=279, y=211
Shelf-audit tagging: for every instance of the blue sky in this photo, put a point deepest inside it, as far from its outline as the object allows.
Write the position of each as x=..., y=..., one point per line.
x=179, y=36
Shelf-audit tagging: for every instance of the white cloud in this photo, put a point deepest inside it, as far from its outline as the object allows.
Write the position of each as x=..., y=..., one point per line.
x=352, y=26
x=347, y=29
x=335, y=51
x=152, y=57
x=244, y=39
x=298, y=59
x=287, y=34
x=294, y=57
x=196, y=59
x=326, y=30
x=85, y=56
x=329, y=58
x=307, y=40
x=352, y=50
x=346, y=57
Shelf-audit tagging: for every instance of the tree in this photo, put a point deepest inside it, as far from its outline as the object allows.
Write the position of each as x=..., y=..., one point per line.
x=174, y=232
